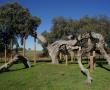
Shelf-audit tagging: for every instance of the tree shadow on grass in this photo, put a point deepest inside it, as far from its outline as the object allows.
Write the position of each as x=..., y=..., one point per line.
x=13, y=70
x=102, y=66
x=41, y=60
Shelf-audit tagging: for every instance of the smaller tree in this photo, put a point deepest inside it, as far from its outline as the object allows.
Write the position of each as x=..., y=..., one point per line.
x=18, y=21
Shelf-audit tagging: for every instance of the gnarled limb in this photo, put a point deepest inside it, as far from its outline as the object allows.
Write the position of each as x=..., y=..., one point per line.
x=83, y=69
x=100, y=45
x=103, y=52
x=17, y=58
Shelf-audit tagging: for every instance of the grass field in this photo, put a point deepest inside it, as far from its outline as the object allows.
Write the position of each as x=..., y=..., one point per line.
x=45, y=76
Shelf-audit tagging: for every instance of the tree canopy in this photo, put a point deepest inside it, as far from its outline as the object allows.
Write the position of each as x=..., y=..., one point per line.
x=16, y=22
x=62, y=27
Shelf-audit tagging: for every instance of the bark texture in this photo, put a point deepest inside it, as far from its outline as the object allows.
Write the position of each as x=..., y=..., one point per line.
x=16, y=58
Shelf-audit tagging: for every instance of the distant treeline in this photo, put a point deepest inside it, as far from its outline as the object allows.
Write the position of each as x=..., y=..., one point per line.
x=62, y=27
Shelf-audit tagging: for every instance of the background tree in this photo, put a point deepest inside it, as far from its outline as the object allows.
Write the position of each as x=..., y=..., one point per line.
x=34, y=23
x=17, y=22
x=62, y=27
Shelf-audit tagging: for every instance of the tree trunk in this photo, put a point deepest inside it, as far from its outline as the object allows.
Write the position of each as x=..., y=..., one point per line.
x=60, y=56
x=11, y=48
x=24, y=42
x=34, y=50
x=83, y=69
x=94, y=55
x=91, y=63
x=5, y=54
x=24, y=60
x=103, y=52
x=66, y=57
x=72, y=54
x=91, y=56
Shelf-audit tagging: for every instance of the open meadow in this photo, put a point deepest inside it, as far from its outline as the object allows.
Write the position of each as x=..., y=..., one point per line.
x=46, y=76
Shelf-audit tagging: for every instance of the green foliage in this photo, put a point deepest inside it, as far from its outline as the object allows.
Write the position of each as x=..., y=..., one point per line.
x=45, y=76
x=100, y=24
x=62, y=27
x=16, y=21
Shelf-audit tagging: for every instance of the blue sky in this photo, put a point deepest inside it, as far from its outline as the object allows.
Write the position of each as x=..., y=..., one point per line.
x=48, y=9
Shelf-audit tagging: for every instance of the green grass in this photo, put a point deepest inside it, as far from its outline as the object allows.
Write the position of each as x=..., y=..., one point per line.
x=45, y=76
